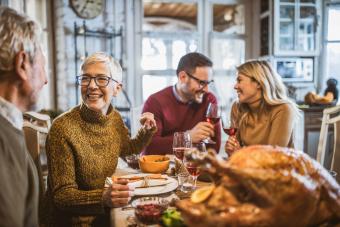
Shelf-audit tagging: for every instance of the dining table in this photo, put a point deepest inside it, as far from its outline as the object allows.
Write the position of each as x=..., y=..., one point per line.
x=124, y=216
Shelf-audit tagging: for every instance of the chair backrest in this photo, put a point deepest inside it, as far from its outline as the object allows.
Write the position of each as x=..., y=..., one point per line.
x=135, y=115
x=32, y=137
x=331, y=116
x=39, y=119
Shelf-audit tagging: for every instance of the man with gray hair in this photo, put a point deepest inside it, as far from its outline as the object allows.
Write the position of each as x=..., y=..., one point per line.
x=22, y=76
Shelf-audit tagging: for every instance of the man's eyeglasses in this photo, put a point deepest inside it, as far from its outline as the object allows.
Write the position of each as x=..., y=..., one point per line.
x=202, y=83
x=100, y=80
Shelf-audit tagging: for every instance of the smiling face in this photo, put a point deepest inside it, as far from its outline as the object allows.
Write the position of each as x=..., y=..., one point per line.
x=98, y=98
x=191, y=90
x=248, y=90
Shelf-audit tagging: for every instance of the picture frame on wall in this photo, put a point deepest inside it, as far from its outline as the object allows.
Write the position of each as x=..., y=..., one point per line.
x=295, y=69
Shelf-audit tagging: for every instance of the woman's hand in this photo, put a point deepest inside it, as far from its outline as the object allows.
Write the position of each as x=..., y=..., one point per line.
x=118, y=194
x=147, y=120
x=232, y=145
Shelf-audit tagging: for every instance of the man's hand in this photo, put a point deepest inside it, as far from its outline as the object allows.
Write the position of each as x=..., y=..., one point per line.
x=201, y=131
x=118, y=194
x=232, y=145
x=147, y=120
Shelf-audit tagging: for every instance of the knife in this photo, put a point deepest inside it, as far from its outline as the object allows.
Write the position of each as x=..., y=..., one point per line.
x=151, y=186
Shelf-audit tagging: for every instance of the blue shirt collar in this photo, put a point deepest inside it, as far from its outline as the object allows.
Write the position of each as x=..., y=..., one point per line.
x=177, y=96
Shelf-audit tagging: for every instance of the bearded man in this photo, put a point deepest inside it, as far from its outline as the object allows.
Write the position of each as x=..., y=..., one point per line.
x=182, y=107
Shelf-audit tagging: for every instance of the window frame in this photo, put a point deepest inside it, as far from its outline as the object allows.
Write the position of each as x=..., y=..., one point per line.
x=203, y=35
x=324, y=71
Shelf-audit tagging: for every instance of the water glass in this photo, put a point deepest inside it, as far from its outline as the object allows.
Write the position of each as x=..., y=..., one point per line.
x=185, y=182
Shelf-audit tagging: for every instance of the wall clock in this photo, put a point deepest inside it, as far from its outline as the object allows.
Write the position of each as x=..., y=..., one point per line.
x=87, y=9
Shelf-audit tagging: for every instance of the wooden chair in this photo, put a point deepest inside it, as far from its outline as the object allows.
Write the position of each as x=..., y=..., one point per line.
x=39, y=119
x=331, y=116
x=32, y=136
x=36, y=127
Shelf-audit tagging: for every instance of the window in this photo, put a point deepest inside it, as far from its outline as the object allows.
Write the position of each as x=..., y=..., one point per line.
x=227, y=48
x=169, y=32
x=170, y=29
x=4, y=2
x=38, y=10
x=332, y=42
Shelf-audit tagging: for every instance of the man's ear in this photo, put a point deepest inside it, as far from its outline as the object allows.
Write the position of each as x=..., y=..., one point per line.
x=182, y=76
x=20, y=65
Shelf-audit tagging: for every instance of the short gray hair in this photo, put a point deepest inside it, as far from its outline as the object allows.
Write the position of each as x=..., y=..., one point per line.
x=115, y=69
x=17, y=33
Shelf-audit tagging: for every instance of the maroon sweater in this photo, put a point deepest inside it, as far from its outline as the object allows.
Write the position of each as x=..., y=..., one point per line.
x=172, y=116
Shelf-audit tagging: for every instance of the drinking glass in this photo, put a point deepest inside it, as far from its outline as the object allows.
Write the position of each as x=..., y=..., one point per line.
x=184, y=182
x=212, y=116
x=229, y=127
x=200, y=146
x=193, y=168
x=181, y=143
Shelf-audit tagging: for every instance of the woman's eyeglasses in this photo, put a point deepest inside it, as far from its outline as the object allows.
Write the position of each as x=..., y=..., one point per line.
x=100, y=80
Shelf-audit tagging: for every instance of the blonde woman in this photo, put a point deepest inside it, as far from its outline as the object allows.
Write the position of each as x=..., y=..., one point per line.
x=263, y=113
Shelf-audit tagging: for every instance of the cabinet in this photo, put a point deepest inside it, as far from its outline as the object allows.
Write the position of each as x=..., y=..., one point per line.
x=289, y=37
x=296, y=27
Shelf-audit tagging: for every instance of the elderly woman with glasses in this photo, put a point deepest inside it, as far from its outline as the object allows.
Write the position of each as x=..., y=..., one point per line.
x=263, y=113
x=83, y=147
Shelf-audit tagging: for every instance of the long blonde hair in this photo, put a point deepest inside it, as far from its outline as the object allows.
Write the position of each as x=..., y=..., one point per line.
x=273, y=90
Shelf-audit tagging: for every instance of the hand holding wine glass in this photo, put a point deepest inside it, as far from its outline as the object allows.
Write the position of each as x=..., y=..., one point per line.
x=212, y=116
x=232, y=143
x=230, y=128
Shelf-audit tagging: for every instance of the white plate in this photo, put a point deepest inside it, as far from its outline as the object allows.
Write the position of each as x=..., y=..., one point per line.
x=170, y=185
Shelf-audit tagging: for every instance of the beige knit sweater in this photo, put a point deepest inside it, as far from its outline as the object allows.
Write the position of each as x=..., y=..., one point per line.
x=271, y=126
x=83, y=147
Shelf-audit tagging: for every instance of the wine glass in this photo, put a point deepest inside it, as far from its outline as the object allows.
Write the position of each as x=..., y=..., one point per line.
x=191, y=166
x=212, y=116
x=181, y=142
x=229, y=127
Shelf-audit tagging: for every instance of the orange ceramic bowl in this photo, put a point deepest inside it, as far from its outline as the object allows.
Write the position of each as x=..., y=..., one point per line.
x=154, y=163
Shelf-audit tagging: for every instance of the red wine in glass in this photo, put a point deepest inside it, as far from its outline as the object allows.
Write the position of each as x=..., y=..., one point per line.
x=181, y=142
x=179, y=152
x=212, y=115
x=192, y=169
x=212, y=120
x=230, y=131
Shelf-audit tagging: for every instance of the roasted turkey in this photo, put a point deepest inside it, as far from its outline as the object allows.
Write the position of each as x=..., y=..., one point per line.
x=265, y=186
